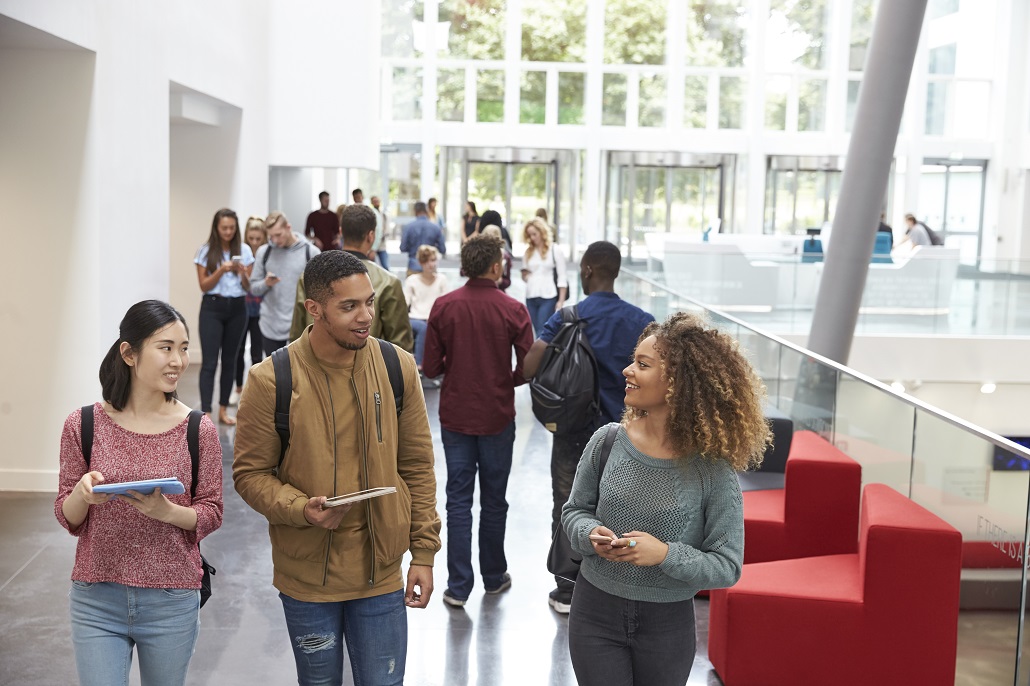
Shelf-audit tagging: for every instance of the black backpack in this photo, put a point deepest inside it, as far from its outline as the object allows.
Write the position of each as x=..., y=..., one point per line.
x=284, y=389
x=565, y=391
x=193, y=442
x=935, y=238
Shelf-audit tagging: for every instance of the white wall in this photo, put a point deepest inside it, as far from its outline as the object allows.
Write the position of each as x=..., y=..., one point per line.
x=324, y=83
x=290, y=192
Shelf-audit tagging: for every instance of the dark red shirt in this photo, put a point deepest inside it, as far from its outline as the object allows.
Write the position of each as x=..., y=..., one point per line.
x=325, y=227
x=469, y=337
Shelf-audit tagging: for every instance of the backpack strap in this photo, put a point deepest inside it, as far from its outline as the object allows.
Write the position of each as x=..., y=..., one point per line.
x=307, y=252
x=283, y=396
x=393, y=369
x=193, y=442
x=264, y=258
x=86, y=434
x=606, y=449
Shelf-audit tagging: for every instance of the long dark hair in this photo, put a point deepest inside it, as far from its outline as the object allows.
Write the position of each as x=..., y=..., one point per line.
x=140, y=323
x=472, y=206
x=214, y=241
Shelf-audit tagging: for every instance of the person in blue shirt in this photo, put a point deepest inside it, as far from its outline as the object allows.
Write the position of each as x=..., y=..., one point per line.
x=613, y=327
x=418, y=233
x=223, y=271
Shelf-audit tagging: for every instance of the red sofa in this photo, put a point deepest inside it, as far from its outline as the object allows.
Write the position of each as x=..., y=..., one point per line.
x=815, y=513
x=887, y=614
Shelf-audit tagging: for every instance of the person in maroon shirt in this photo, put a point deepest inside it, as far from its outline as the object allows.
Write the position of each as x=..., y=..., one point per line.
x=469, y=336
x=323, y=226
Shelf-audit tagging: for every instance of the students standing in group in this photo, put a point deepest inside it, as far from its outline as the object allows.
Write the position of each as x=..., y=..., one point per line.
x=543, y=270
x=421, y=291
x=277, y=269
x=338, y=569
x=223, y=273
x=254, y=236
x=665, y=519
x=470, y=336
x=137, y=570
x=612, y=328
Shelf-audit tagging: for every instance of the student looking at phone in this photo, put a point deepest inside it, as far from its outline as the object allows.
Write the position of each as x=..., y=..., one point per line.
x=136, y=579
x=669, y=500
x=223, y=271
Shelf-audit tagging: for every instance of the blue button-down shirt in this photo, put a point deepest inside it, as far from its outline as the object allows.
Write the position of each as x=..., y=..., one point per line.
x=418, y=233
x=613, y=327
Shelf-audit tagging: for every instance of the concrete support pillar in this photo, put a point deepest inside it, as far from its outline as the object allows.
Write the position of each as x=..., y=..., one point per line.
x=888, y=68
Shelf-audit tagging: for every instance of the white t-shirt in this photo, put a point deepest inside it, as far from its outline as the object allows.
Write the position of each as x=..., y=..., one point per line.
x=541, y=273
x=421, y=295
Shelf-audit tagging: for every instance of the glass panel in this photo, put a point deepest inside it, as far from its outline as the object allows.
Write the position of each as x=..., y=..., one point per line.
x=490, y=95
x=401, y=20
x=874, y=427
x=732, y=92
x=487, y=187
x=810, y=205
x=764, y=355
x=716, y=34
x=405, y=175
x=812, y=105
x=695, y=102
x=776, y=88
x=528, y=192
x=779, y=201
x=937, y=93
x=695, y=199
x=965, y=197
x=796, y=34
x=849, y=115
x=613, y=100
x=962, y=479
x=533, y=100
x=862, y=12
x=571, y=96
x=931, y=194
x=634, y=32
x=649, y=206
x=942, y=59
x=941, y=8
x=554, y=31
x=652, y=100
x=450, y=95
x=476, y=28
x=808, y=392
x=407, y=93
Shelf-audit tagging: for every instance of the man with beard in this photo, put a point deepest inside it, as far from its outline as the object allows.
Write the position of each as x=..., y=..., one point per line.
x=338, y=569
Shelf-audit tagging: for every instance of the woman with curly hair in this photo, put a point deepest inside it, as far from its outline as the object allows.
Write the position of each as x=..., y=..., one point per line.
x=665, y=518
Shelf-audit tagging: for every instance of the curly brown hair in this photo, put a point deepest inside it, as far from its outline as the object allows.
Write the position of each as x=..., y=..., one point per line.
x=715, y=397
x=479, y=254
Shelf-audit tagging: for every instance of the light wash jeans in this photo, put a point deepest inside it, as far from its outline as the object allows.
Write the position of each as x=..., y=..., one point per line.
x=376, y=634
x=108, y=619
x=418, y=329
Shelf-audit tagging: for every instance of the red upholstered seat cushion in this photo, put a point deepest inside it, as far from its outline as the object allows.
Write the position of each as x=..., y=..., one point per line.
x=986, y=555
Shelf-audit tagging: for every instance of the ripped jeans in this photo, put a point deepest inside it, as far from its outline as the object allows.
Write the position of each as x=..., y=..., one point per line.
x=375, y=631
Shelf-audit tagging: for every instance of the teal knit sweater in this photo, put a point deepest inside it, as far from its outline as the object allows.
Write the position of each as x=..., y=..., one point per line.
x=691, y=503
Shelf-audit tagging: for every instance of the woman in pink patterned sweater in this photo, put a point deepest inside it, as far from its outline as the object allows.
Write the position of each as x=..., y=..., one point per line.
x=137, y=569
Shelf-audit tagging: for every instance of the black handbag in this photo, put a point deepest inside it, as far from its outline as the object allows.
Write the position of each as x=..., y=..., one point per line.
x=562, y=560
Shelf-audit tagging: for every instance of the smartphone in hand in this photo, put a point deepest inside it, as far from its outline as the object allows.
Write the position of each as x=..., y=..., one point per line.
x=608, y=540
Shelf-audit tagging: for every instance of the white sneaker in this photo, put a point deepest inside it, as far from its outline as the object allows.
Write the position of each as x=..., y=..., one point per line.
x=234, y=397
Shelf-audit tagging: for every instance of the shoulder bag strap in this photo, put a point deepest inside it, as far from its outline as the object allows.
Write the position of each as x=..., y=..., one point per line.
x=393, y=369
x=86, y=433
x=606, y=448
x=283, y=396
x=193, y=442
x=264, y=258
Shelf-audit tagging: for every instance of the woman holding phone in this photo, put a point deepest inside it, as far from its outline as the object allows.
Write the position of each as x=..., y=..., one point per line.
x=223, y=271
x=137, y=570
x=665, y=519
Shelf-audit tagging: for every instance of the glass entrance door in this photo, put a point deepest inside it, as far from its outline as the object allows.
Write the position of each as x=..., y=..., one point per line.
x=800, y=193
x=951, y=201
x=516, y=190
x=655, y=198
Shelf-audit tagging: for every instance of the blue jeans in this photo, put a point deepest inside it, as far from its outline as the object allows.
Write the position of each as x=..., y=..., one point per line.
x=650, y=644
x=108, y=619
x=491, y=456
x=540, y=310
x=375, y=630
x=418, y=329
x=384, y=259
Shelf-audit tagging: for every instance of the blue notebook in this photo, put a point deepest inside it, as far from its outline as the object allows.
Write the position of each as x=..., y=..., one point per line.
x=168, y=486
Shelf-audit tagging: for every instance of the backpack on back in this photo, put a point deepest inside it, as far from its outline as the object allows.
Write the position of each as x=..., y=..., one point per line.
x=935, y=238
x=565, y=390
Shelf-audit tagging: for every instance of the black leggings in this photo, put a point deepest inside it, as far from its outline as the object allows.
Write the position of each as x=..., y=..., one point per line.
x=222, y=323
x=254, y=329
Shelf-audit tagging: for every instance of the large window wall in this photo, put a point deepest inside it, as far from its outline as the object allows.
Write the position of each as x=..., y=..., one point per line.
x=758, y=79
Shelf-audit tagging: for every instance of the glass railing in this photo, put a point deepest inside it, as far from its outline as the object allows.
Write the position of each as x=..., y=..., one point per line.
x=929, y=292
x=973, y=479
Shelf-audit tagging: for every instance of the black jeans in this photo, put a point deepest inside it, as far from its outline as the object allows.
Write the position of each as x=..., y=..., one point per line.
x=270, y=345
x=565, y=453
x=619, y=642
x=256, y=347
x=222, y=323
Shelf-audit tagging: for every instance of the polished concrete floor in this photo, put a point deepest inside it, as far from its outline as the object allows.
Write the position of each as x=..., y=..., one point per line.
x=513, y=638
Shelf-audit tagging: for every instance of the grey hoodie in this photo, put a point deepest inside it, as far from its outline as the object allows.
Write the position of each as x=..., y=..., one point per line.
x=288, y=264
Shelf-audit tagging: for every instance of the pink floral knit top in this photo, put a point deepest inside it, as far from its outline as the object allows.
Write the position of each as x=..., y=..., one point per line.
x=116, y=542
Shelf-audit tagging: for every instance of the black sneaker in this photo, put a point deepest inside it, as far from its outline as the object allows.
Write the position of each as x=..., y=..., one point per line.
x=451, y=600
x=559, y=601
x=502, y=587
